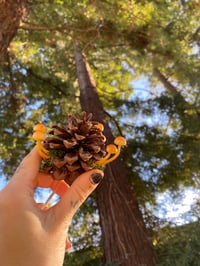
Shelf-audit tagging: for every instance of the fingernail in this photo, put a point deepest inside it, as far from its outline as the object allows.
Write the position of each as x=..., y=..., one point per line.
x=96, y=178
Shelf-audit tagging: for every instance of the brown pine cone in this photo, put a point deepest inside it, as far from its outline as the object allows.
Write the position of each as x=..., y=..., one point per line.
x=73, y=147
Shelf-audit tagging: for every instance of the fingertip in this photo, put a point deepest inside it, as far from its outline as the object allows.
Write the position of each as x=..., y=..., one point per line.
x=34, y=153
x=96, y=177
x=87, y=181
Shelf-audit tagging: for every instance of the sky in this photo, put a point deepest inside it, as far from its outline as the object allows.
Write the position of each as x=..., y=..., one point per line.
x=3, y=182
x=176, y=210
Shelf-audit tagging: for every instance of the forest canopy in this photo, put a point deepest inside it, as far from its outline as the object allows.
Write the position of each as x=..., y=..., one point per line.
x=144, y=58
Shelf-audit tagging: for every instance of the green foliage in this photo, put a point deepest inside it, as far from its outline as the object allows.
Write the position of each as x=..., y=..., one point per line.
x=85, y=257
x=29, y=95
x=85, y=235
x=124, y=41
x=162, y=154
x=175, y=245
x=179, y=246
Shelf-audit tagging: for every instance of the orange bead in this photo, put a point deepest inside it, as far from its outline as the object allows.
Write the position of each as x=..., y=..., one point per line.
x=120, y=141
x=100, y=126
x=40, y=128
x=38, y=135
x=111, y=148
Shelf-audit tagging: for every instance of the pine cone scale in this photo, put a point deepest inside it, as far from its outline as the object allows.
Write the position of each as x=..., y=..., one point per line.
x=56, y=146
x=71, y=158
x=70, y=143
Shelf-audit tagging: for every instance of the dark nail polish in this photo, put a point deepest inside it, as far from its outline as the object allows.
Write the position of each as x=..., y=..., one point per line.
x=96, y=178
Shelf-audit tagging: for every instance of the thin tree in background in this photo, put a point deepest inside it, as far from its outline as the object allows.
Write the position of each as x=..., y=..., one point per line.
x=125, y=240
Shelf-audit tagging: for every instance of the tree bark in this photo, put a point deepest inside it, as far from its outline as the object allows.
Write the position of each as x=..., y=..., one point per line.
x=11, y=14
x=124, y=236
x=170, y=88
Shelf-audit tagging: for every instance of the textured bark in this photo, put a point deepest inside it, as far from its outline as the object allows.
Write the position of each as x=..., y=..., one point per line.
x=125, y=240
x=11, y=13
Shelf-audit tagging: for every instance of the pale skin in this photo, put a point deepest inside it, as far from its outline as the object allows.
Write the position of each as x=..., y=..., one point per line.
x=30, y=234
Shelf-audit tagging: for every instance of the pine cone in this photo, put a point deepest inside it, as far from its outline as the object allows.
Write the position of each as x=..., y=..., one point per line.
x=73, y=148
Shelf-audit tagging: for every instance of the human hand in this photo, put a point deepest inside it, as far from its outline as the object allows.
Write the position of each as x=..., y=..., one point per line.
x=31, y=235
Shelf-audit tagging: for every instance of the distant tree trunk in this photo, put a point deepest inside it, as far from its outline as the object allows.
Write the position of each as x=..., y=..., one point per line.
x=11, y=13
x=170, y=88
x=125, y=241
x=180, y=101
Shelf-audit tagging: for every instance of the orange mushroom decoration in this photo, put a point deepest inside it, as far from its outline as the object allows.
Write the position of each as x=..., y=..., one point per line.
x=100, y=126
x=112, y=150
x=39, y=136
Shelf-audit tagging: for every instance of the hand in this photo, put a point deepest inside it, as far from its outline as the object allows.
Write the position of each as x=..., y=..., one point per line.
x=29, y=235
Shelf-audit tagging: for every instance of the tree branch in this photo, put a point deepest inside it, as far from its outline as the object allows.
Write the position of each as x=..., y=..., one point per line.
x=64, y=27
x=46, y=80
x=115, y=122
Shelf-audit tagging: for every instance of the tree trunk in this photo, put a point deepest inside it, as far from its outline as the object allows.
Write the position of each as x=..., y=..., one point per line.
x=11, y=13
x=170, y=88
x=125, y=240
x=180, y=102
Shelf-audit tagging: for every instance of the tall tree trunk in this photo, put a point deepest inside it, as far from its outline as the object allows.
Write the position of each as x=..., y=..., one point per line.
x=11, y=13
x=170, y=88
x=125, y=241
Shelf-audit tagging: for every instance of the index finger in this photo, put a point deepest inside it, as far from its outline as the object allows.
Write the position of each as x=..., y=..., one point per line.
x=28, y=168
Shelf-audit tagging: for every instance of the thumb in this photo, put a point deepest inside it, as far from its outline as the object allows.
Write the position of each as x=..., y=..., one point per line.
x=81, y=188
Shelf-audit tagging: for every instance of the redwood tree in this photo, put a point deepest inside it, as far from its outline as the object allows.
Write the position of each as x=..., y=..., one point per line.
x=125, y=240
x=11, y=14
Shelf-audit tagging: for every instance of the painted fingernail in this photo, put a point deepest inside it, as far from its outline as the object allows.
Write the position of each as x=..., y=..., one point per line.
x=96, y=178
